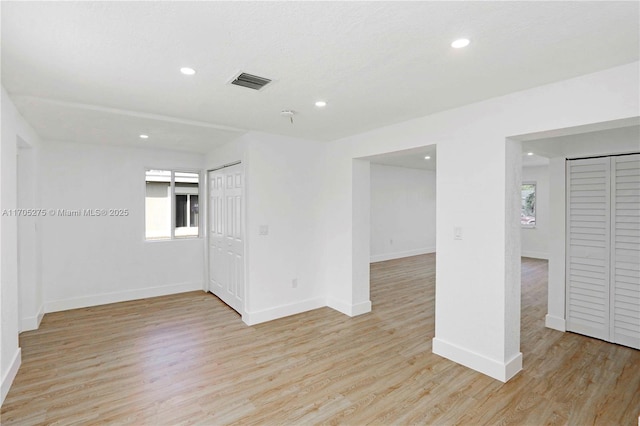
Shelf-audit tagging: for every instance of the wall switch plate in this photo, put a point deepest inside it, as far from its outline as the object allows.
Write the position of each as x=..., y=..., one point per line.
x=294, y=283
x=457, y=233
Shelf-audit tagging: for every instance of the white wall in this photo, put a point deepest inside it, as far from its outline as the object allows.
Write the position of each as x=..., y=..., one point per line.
x=95, y=260
x=29, y=239
x=15, y=130
x=555, y=317
x=282, y=178
x=535, y=241
x=403, y=212
x=478, y=277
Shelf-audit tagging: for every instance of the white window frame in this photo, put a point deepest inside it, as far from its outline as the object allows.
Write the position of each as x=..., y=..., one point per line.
x=172, y=200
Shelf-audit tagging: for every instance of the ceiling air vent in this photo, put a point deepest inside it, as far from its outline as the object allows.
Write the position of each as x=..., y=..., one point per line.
x=250, y=81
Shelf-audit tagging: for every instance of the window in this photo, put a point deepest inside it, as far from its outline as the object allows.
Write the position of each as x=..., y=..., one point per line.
x=172, y=204
x=528, y=212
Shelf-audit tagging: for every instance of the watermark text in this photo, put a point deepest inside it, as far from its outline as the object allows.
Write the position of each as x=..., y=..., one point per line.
x=65, y=212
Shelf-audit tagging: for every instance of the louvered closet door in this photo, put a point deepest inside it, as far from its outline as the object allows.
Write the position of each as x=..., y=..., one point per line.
x=588, y=226
x=625, y=252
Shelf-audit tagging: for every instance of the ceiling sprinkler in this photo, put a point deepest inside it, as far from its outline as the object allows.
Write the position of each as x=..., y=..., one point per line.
x=287, y=113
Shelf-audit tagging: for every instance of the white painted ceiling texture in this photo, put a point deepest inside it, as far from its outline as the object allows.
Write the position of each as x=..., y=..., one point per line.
x=623, y=140
x=104, y=72
x=408, y=158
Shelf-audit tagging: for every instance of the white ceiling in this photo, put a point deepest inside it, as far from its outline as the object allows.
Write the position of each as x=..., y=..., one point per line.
x=415, y=158
x=623, y=140
x=409, y=158
x=103, y=72
x=533, y=160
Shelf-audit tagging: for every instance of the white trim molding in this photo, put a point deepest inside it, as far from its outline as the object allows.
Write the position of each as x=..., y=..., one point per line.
x=32, y=323
x=502, y=371
x=401, y=254
x=554, y=322
x=535, y=254
x=10, y=375
x=351, y=310
x=253, y=318
x=121, y=296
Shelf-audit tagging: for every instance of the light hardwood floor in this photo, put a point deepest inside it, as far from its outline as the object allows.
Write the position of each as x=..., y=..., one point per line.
x=188, y=359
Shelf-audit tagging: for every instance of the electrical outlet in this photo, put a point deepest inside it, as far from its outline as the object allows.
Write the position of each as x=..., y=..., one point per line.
x=263, y=230
x=294, y=283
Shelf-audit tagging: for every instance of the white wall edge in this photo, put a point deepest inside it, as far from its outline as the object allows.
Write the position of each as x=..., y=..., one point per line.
x=502, y=371
x=32, y=323
x=253, y=318
x=10, y=376
x=121, y=296
x=349, y=309
x=535, y=254
x=556, y=323
x=401, y=254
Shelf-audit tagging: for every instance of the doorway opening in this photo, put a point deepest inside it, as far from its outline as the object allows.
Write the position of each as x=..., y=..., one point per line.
x=402, y=229
x=615, y=137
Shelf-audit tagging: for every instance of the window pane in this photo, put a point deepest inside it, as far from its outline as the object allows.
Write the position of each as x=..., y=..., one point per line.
x=194, y=211
x=181, y=211
x=187, y=187
x=158, y=204
x=528, y=212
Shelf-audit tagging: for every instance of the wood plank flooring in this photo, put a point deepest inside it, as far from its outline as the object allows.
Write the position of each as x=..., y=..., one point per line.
x=188, y=359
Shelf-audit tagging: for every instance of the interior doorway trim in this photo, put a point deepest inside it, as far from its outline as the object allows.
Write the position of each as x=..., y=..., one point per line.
x=235, y=163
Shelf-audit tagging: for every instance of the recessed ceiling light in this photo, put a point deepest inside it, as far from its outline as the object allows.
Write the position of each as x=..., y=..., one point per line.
x=187, y=71
x=529, y=153
x=427, y=158
x=144, y=136
x=459, y=43
x=321, y=104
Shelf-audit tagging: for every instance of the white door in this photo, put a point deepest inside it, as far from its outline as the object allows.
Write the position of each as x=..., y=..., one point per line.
x=603, y=248
x=587, y=281
x=625, y=250
x=226, y=236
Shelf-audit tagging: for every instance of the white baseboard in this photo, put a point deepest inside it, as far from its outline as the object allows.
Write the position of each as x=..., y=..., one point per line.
x=492, y=368
x=8, y=378
x=349, y=309
x=535, y=254
x=556, y=323
x=121, y=296
x=32, y=323
x=253, y=318
x=401, y=254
